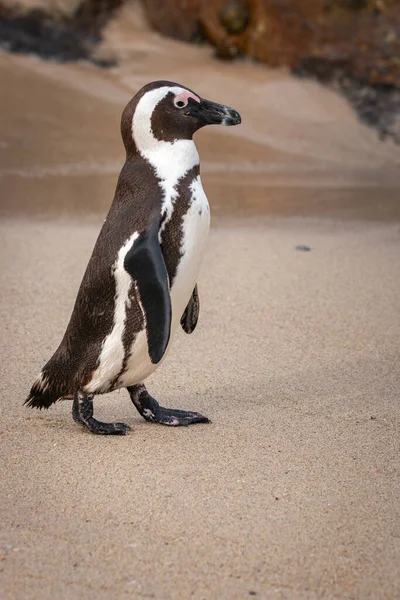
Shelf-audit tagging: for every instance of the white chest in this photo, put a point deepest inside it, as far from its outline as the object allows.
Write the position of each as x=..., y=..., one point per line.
x=195, y=228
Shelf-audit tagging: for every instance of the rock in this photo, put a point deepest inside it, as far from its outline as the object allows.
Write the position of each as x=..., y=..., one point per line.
x=59, y=9
x=65, y=31
x=353, y=45
x=234, y=16
x=179, y=20
x=363, y=35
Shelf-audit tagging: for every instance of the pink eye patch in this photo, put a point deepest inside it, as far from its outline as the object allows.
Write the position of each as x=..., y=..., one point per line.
x=184, y=97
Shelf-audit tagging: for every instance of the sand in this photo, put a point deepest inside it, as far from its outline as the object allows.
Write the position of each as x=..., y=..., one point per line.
x=293, y=491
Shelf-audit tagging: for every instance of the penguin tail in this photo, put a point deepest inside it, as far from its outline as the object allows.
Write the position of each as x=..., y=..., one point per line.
x=46, y=390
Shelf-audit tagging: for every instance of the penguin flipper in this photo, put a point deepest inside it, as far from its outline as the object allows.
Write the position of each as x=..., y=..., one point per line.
x=145, y=264
x=191, y=315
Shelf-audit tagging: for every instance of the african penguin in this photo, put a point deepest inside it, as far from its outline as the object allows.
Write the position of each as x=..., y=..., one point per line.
x=140, y=282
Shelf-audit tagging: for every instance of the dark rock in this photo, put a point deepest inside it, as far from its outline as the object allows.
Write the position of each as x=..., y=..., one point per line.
x=234, y=16
x=63, y=40
x=354, y=4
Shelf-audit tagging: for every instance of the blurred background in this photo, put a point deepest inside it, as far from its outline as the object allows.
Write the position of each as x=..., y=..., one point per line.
x=317, y=84
x=292, y=493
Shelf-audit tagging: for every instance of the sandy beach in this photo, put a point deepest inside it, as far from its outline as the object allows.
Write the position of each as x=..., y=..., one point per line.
x=292, y=492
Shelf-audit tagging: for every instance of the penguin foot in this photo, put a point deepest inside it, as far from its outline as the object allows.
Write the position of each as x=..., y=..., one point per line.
x=150, y=410
x=82, y=413
x=173, y=417
x=95, y=426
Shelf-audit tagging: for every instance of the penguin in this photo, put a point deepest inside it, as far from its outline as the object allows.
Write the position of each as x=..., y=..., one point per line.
x=140, y=282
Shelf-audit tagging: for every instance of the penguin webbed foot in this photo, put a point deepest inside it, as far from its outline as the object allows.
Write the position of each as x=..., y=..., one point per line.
x=151, y=411
x=82, y=413
x=95, y=426
x=174, y=417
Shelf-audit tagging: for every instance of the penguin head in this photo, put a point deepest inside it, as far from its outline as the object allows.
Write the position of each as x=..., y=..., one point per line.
x=163, y=111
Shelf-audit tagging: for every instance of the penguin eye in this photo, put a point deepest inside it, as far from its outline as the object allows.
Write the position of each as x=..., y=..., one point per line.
x=180, y=103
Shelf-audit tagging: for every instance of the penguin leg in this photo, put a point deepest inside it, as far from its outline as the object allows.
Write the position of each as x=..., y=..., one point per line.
x=150, y=410
x=82, y=413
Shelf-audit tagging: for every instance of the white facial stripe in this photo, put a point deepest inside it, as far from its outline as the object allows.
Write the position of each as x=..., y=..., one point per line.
x=141, y=122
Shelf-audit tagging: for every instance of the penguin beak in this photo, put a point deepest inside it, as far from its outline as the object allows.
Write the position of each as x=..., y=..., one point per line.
x=211, y=113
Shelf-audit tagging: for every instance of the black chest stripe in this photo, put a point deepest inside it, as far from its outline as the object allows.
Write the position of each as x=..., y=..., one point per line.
x=172, y=236
x=145, y=264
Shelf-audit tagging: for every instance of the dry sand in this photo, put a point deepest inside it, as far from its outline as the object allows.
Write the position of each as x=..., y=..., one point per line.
x=293, y=491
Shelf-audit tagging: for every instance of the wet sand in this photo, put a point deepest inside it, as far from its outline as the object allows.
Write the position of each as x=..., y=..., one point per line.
x=292, y=491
